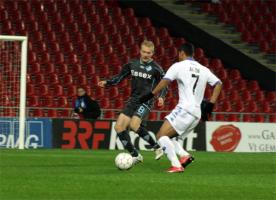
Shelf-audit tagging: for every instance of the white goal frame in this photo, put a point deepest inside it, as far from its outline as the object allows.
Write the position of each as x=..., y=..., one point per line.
x=23, y=75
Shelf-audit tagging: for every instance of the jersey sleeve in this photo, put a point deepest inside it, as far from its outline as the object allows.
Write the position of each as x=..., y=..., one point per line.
x=161, y=75
x=171, y=73
x=121, y=76
x=212, y=78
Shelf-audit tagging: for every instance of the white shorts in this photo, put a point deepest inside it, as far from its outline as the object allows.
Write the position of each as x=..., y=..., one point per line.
x=182, y=121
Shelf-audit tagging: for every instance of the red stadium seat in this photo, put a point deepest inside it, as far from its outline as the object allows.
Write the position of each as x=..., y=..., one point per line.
x=119, y=103
x=272, y=118
x=265, y=107
x=99, y=93
x=199, y=53
x=220, y=117
x=259, y=96
x=105, y=103
x=259, y=118
x=61, y=102
x=145, y=22
x=109, y=115
x=204, y=61
x=246, y=95
x=57, y=90
x=247, y=118
x=38, y=113
x=52, y=113
x=67, y=79
x=241, y=85
x=271, y=96
x=233, y=118
x=47, y=102
x=39, y=79
x=163, y=115
x=42, y=90
x=30, y=90
x=34, y=68
x=253, y=85
x=251, y=106
x=226, y=106
x=71, y=91
x=48, y=68
x=64, y=113
x=235, y=74
x=153, y=116
x=33, y=101
x=113, y=92
x=227, y=85
x=53, y=79
x=81, y=80
x=216, y=64
x=76, y=69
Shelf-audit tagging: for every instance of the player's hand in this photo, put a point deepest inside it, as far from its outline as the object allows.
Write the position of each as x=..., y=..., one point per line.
x=80, y=110
x=102, y=84
x=146, y=97
x=160, y=102
x=206, y=109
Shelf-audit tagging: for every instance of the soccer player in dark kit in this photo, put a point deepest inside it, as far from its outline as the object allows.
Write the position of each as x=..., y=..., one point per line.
x=145, y=75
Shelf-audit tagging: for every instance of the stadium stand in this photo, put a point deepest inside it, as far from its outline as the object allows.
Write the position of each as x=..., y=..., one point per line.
x=255, y=20
x=80, y=42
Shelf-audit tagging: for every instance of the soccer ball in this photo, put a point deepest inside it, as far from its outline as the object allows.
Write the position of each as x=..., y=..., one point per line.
x=123, y=161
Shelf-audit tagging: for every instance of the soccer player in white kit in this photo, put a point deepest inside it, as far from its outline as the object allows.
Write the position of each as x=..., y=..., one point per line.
x=192, y=78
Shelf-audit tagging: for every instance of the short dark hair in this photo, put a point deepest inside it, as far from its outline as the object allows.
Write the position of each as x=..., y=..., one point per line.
x=188, y=49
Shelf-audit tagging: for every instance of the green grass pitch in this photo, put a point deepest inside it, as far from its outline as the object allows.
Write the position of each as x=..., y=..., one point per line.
x=79, y=174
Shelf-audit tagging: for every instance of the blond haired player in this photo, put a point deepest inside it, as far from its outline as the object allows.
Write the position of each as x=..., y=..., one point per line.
x=145, y=74
x=192, y=78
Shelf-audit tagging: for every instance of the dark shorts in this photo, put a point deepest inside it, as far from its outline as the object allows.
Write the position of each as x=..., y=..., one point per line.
x=137, y=109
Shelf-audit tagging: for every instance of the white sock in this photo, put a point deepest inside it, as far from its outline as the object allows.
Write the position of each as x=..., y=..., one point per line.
x=179, y=149
x=168, y=147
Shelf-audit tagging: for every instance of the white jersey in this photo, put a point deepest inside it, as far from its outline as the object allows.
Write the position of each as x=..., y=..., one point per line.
x=192, y=78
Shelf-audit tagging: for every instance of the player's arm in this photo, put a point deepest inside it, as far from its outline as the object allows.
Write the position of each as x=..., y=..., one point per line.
x=208, y=106
x=216, y=92
x=170, y=76
x=162, y=85
x=163, y=92
x=118, y=78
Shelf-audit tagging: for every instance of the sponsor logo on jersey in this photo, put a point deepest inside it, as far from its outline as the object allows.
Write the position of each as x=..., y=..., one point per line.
x=148, y=68
x=141, y=74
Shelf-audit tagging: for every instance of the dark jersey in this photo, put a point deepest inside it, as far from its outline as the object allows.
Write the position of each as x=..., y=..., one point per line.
x=91, y=108
x=144, y=77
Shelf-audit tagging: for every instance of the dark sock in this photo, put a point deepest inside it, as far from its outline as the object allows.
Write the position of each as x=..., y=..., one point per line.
x=125, y=139
x=143, y=133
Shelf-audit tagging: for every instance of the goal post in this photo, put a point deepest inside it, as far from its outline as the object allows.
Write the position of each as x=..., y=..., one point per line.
x=23, y=40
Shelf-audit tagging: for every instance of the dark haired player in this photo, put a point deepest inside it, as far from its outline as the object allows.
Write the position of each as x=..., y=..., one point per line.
x=145, y=75
x=192, y=78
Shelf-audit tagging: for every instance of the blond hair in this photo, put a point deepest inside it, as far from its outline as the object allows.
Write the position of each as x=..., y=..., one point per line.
x=148, y=43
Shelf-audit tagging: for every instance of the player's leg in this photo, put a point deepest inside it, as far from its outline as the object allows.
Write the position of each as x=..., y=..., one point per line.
x=121, y=127
x=185, y=157
x=164, y=134
x=137, y=127
x=179, y=149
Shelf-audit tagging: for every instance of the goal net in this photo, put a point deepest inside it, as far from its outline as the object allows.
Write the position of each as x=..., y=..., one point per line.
x=13, y=64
